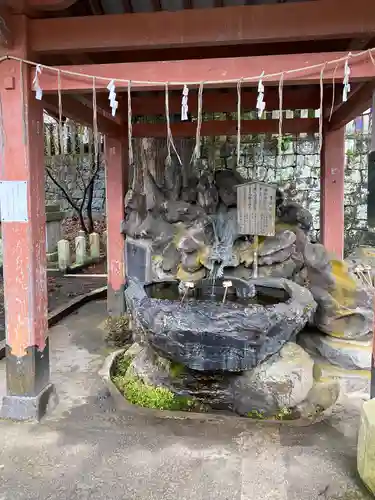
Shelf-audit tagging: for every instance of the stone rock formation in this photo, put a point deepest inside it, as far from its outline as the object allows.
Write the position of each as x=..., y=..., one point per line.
x=320, y=399
x=292, y=213
x=282, y=381
x=350, y=381
x=349, y=354
x=207, y=224
x=235, y=355
x=283, y=386
x=344, y=306
x=190, y=239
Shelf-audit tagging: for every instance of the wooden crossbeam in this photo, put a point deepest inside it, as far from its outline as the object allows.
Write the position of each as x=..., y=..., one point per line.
x=77, y=111
x=358, y=102
x=226, y=101
x=319, y=20
x=102, y=106
x=220, y=69
x=82, y=113
x=227, y=127
x=50, y=4
x=153, y=103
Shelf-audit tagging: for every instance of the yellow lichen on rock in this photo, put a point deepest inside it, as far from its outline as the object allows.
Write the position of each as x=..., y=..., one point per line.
x=204, y=255
x=185, y=276
x=245, y=252
x=345, y=286
x=345, y=305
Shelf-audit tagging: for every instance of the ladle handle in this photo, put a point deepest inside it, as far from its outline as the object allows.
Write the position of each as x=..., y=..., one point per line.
x=255, y=264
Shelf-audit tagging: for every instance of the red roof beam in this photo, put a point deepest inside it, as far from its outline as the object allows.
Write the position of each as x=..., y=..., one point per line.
x=77, y=111
x=50, y=4
x=227, y=127
x=358, y=102
x=226, y=102
x=323, y=19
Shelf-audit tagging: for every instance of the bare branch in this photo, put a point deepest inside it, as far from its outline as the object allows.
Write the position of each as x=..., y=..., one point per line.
x=72, y=203
x=78, y=170
x=62, y=188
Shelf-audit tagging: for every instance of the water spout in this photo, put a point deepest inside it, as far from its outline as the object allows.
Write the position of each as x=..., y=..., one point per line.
x=187, y=285
x=224, y=225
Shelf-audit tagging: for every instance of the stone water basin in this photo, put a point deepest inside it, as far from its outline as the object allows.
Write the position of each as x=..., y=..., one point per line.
x=205, y=334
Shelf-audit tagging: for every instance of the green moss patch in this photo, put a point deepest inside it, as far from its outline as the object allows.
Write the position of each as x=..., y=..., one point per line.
x=121, y=365
x=282, y=414
x=139, y=393
x=176, y=369
x=147, y=396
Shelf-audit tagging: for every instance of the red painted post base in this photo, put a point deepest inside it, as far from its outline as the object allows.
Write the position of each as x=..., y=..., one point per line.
x=28, y=385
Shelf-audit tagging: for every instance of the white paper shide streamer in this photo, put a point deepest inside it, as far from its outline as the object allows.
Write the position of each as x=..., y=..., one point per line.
x=261, y=105
x=111, y=87
x=184, y=103
x=346, y=88
x=36, y=84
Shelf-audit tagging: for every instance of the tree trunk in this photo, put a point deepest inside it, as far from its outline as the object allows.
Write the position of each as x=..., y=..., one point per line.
x=90, y=196
x=82, y=221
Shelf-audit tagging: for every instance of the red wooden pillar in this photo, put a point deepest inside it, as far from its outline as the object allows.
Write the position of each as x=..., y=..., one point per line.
x=24, y=240
x=370, y=212
x=116, y=174
x=332, y=191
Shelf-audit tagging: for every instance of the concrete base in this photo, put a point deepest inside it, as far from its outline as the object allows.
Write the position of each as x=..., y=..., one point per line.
x=366, y=445
x=24, y=408
x=116, y=301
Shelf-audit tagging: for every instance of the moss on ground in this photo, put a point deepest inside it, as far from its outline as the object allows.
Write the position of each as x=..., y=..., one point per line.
x=121, y=365
x=148, y=396
x=139, y=393
x=282, y=414
x=256, y=415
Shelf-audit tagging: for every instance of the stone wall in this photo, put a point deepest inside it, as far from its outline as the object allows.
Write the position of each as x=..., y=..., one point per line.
x=356, y=183
x=297, y=172
x=71, y=171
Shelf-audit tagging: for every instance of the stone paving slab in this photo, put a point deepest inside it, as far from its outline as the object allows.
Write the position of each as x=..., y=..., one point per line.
x=85, y=449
